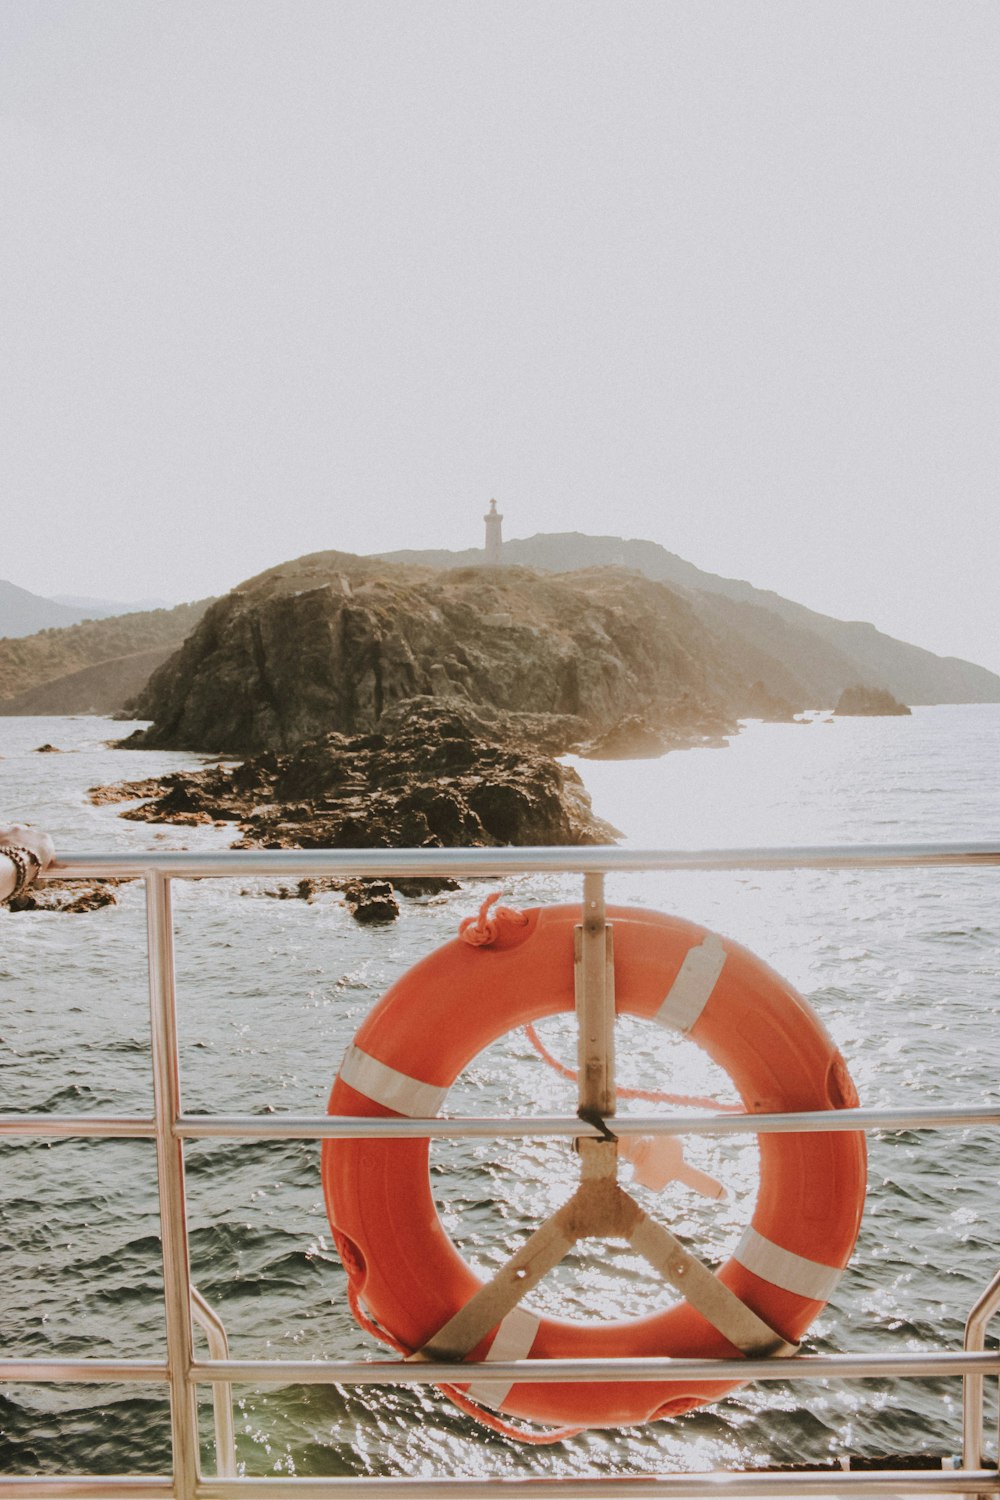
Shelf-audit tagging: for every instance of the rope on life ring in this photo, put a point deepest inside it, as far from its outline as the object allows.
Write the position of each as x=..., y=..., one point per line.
x=482, y=930
x=408, y=1283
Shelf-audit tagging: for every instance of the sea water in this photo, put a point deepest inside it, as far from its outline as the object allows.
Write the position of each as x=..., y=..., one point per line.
x=902, y=966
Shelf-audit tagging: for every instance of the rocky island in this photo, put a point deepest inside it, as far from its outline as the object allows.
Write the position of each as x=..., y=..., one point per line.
x=333, y=642
x=380, y=705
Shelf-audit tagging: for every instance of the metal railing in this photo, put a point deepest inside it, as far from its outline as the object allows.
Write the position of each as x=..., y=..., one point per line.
x=169, y=1127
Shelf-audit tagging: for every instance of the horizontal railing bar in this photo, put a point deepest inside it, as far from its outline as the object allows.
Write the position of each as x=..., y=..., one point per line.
x=920, y=1366
x=118, y=1126
x=757, y=1483
x=88, y=1487
x=512, y=861
x=675, y=1486
x=940, y=1364
x=80, y=1371
x=349, y=1127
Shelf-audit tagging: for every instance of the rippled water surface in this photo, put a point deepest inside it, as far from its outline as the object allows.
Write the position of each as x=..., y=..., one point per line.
x=901, y=966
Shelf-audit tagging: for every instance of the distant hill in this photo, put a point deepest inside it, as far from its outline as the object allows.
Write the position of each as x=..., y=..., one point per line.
x=807, y=657
x=103, y=609
x=101, y=689
x=47, y=658
x=22, y=613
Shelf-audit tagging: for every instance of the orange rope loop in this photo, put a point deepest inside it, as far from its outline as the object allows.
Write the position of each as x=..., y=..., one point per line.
x=483, y=930
x=651, y=1096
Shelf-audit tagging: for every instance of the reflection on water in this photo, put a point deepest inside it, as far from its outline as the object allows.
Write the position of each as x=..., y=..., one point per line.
x=901, y=966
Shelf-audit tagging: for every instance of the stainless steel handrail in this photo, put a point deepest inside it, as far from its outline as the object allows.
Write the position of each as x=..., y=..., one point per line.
x=169, y=1127
x=212, y=1326
x=499, y=1127
x=595, y=859
x=754, y=1484
x=923, y=1365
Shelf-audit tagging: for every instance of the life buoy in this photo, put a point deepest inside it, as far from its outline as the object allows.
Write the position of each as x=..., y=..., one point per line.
x=433, y=1021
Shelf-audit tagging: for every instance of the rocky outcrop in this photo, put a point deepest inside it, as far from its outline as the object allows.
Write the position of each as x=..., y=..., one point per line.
x=428, y=779
x=333, y=643
x=632, y=738
x=371, y=902
x=431, y=777
x=67, y=896
x=860, y=701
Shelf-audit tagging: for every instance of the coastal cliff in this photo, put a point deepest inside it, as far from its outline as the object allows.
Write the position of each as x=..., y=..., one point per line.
x=332, y=642
x=796, y=657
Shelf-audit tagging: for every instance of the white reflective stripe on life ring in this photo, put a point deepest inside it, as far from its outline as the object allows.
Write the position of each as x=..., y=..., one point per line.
x=388, y=1087
x=794, y=1273
x=692, y=989
x=513, y=1340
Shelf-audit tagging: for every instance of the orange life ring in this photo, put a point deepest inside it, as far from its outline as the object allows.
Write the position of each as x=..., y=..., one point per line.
x=438, y=1016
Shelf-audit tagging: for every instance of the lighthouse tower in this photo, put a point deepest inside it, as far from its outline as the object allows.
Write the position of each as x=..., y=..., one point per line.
x=494, y=541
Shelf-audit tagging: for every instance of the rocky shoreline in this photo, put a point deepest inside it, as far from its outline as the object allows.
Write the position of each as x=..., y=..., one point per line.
x=430, y=777
x=376, y=705
x=380, y=706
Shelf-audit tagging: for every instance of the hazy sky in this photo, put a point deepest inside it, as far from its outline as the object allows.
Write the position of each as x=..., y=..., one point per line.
x=278, y=277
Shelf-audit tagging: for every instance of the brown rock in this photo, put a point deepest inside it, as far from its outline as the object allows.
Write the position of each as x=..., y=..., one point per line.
x=67, y=896
x=431, y=779
x=371, y=901
x=869, y=702
x=292, y=656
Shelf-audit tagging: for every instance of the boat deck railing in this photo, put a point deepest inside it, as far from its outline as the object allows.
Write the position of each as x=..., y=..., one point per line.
x=184, y=1373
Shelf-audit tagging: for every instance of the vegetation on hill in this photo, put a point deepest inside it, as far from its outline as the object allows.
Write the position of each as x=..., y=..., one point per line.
x=800, y=651
x=28, y=661
x=102, y=689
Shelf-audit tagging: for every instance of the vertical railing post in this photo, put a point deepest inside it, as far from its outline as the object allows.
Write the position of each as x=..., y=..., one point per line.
x=595, y=1006
x=985, y=1308
x=170, y=1177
